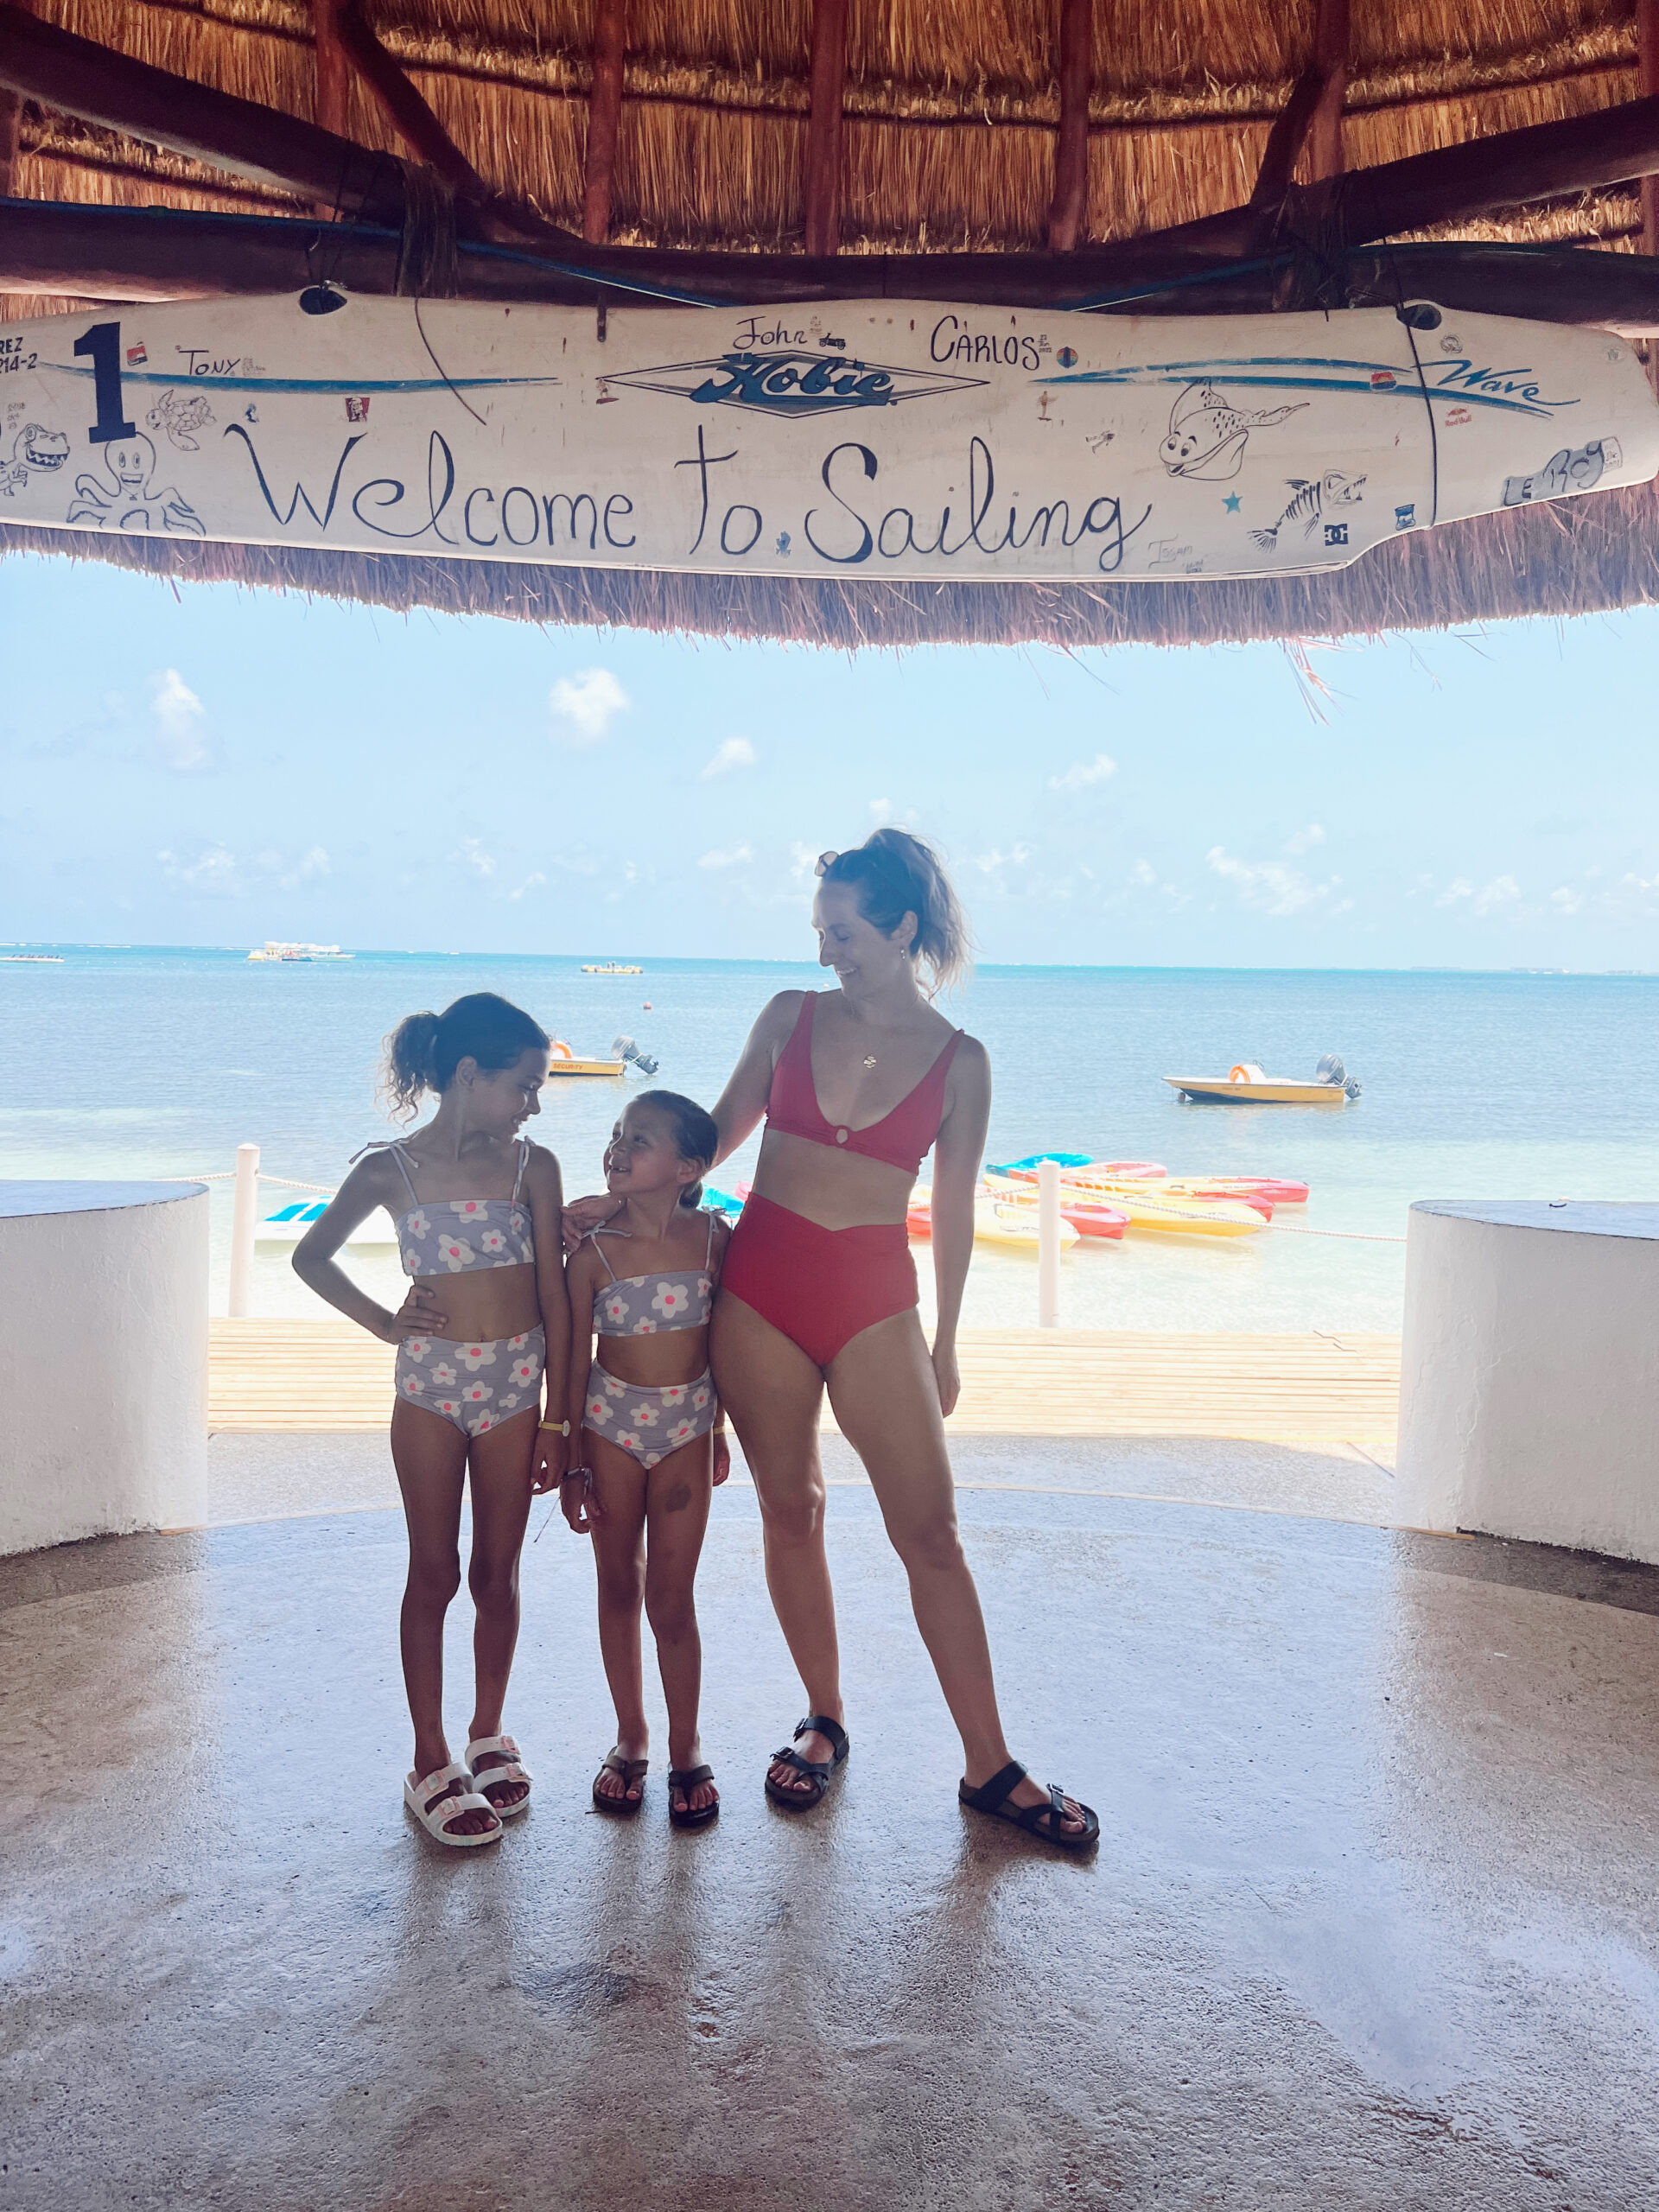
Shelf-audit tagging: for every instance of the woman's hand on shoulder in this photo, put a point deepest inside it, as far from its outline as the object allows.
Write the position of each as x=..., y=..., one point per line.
x=583, y=1215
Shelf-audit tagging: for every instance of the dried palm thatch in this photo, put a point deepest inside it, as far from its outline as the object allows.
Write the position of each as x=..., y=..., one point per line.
x=952, y=116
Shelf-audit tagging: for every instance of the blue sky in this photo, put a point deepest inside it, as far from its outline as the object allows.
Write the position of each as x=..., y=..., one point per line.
x=222, y=766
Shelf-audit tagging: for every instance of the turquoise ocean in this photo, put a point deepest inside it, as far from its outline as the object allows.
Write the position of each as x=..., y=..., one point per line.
x=139, y=1062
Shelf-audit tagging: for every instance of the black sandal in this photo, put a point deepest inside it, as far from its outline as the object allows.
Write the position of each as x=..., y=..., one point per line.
x=818, y=1771
x=632, y=1770
x=1043, y=1822
x=686, y=1778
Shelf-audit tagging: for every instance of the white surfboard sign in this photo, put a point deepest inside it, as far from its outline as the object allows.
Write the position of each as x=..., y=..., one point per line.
x=868, y=438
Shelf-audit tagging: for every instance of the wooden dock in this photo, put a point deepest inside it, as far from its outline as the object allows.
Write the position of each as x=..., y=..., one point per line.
x=1311, y=1388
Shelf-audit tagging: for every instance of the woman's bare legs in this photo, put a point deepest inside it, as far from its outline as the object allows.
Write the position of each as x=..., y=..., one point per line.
x=430, y=1456
x=887, y=1405
x=773, y=1392
x=501, y=1473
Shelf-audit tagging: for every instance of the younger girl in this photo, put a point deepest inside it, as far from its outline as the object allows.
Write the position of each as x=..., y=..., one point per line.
x=477, y=1208
x=653, y=1442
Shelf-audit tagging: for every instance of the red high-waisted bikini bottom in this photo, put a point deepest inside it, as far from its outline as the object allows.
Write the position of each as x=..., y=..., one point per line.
x=819, y=1285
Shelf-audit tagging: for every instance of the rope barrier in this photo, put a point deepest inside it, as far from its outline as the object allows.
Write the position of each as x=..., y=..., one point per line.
x=228, y=1175
x=1354, y=1236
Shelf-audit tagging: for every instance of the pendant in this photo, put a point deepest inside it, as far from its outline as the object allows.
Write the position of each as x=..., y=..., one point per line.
x=870, y=1062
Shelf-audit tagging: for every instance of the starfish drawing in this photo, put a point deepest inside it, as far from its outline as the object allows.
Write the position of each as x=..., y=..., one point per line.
x=1231, y=503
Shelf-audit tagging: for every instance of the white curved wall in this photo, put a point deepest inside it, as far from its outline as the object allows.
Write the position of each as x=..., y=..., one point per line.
x=103, y=1359
x=1530, y=1385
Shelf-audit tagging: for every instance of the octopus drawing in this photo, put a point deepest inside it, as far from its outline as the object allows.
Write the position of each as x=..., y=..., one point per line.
x=1208, y=434
x=126, y=498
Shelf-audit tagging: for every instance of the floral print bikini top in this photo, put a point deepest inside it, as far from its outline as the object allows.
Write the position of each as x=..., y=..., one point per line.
x=645, y=1306
x=460, y=1236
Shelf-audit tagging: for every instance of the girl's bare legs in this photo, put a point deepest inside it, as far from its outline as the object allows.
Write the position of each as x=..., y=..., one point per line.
x=772, y=1392
x=678, y=1492
x=887, y=1405
x=619, y=1541
x=501, y=1473
x=430, y=1456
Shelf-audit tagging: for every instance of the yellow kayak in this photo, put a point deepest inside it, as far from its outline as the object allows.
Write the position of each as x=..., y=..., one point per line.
x=997, y=1220
x=1149, y=1207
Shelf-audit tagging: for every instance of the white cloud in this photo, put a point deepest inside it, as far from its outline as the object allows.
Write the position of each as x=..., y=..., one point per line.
x=994, y=862
x=1143, y=871
x=1082, y=774
x=306, y=869
x=733, y=858
x=584, y=706
x=1502, y=891
x=473, y=854
x=1270, y=886
x=530, y=883
x=1458, y=889
x=214, y=873
x=180, y=741
x=1565, y=901
x=730, y=754
x=880, y=813
x=1304, y=840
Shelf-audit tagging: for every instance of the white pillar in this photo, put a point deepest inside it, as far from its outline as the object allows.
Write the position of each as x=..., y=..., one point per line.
x=243, y=1219
x=1048, y=1244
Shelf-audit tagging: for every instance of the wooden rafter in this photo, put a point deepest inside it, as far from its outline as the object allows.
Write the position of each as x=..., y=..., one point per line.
x=1311, y=118
x=404, y=109
x=1068, y=213
x=604, y=119
x=334, y=70
x=11, y=118
x=828, y=81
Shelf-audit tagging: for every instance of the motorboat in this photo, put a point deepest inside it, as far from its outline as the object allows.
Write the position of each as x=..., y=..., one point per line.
x=561, y=1060
x=1332, y=1085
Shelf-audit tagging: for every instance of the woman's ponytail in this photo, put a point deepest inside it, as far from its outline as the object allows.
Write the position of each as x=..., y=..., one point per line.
x=896, y=874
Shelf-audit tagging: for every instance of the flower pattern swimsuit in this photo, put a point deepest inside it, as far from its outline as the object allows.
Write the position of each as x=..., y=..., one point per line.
x=651, y=1420
x=474, y=1386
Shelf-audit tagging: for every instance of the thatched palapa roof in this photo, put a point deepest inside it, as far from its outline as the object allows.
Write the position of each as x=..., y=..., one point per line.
x=878, y=128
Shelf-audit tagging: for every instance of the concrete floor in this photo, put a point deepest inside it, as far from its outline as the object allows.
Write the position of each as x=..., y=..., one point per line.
x=1372, y=1924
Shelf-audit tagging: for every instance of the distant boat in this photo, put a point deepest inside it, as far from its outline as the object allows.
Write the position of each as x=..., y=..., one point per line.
x=561, y=1060
x=1258, y=1090
x=610, y=968
x=36, y=959
x=276, y=948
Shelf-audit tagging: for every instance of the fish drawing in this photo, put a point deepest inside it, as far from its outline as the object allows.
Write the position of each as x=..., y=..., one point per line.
x=1207, y=434
x=1333, y=489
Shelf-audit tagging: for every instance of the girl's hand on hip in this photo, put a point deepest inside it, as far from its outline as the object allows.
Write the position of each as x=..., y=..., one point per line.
x=722, y=1456
x=945, y=1375
x=420, y=1315
x=577, y=1502
x=584, y=1215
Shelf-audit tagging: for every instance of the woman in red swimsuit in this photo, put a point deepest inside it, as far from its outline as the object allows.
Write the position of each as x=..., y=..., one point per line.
x=819, y=1290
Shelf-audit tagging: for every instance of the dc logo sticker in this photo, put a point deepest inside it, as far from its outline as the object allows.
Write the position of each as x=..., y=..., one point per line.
x=1336, y=533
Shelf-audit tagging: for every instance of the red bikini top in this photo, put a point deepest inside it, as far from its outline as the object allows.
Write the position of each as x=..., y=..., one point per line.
x=902, y=1138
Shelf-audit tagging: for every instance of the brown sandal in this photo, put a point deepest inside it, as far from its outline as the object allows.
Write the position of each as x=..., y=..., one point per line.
x=631, y=1772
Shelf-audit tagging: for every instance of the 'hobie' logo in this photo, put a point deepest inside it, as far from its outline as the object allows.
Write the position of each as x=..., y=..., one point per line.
x=790, y=382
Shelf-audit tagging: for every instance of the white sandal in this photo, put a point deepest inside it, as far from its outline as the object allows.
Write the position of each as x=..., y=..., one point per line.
x=433, y=1810
x=510, y=1768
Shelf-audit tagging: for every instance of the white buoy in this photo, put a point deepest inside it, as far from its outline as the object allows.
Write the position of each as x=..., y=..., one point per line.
x=243, y=1216
x=1048, y=1244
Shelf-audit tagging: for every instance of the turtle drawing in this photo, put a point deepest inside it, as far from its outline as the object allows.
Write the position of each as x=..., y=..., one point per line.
x=1313, y=497
x=34, y=448
x=1208, y=434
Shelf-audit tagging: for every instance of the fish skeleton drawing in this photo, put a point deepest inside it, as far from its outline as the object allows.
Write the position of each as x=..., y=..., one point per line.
x=1207, y=434
x=1311, y=499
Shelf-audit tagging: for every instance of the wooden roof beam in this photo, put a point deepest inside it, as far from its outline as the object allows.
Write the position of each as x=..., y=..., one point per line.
x=1067, y=213
x=75, y=76
x=402, y=106
x=1311, y=118
x=829, y=89
x=334, y=70
x=604, y=119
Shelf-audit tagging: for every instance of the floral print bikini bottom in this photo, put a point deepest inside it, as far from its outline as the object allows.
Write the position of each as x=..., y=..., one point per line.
x=648, y=1420
x=476, y=1386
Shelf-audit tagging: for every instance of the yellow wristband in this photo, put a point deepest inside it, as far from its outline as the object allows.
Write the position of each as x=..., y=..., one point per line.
x=554, y=1427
